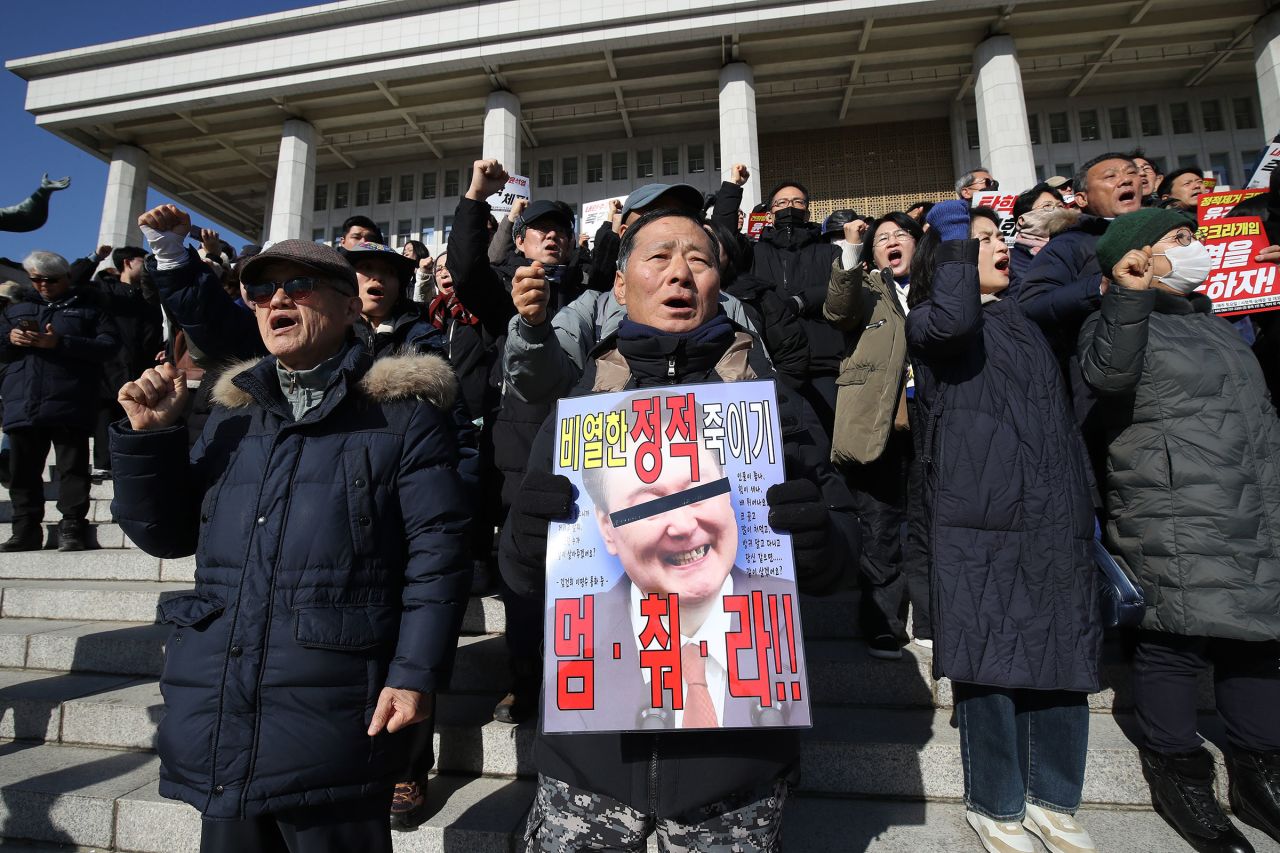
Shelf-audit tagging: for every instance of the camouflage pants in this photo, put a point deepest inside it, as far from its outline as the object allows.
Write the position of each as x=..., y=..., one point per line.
x=565, y=819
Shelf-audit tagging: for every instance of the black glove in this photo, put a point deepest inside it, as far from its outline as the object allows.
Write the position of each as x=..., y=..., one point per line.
x=797, y=507
x=543, y=498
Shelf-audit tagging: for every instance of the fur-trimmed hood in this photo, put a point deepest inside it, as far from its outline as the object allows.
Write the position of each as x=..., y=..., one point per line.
x=1048, y=223
x=400, y=376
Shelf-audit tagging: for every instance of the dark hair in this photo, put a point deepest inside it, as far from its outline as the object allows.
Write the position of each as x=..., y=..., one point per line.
x=1166, y=186
x=420, y=249
x=922, y=265
x=925, y=204
x=728, y=238
x=629, y=238
x=126, y=253
x=804, y=191
x=365, y=223
x=987, y=213
x=897, y=217
x=1028, y=199
x=1080, y=180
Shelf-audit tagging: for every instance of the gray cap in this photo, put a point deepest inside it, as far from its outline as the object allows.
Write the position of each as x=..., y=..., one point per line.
x=323, y=259
x=691, y=198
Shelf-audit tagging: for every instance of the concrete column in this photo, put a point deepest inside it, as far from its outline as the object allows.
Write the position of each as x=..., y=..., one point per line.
x=1266, y=64
x=501, y=132
x=738, y=140
x=125, y=199
x=295, y=183
x=1003, y=131
x=266, y=212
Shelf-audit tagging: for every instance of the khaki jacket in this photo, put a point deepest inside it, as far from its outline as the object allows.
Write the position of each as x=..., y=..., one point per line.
x=871, y=386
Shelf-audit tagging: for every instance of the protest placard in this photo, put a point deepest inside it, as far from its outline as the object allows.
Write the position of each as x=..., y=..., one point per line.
x=1002, y=204
x=517, y=187
x=1262, y=175
x=756, y=223
x=596, y=212
x=671, y=602
x=1236, y=283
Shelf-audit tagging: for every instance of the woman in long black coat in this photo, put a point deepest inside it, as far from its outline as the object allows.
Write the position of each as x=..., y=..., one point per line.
x=1013, y=590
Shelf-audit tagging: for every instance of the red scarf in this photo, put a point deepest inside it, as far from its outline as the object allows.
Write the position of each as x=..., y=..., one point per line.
x=446, y=306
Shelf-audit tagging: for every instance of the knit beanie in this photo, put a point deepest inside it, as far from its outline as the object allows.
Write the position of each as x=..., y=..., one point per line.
x=1134, y=230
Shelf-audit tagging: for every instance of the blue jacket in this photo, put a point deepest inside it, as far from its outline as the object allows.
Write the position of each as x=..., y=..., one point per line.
x=1059, y=289
x=1013, y=588
x=57, y=387
x=330, y=562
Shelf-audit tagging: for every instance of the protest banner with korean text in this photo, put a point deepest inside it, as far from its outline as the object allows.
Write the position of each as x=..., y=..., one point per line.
x=596, y=212
x=1236, y=283
x=671, y=602
x=1002, y=204
x=1262, y=175
x=756, y=224
x=517, y=187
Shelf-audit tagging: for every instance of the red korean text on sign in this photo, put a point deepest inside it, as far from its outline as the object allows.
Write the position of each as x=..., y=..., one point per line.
x=662, y=662
x=762, y=639
x=574, y=649
x=684, y=426
x=647, y=433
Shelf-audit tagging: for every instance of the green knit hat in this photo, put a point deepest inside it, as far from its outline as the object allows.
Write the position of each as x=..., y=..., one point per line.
x=1135, y=230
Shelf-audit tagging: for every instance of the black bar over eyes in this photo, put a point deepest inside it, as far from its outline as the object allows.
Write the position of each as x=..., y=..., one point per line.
x=666, y=503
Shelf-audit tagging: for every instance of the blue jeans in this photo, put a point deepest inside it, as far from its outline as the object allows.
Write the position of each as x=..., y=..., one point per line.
x=1021, y=746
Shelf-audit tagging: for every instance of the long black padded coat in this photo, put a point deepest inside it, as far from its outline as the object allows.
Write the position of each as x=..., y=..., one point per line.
x=330, y=562
x=1193, y=463
x=1013, y=588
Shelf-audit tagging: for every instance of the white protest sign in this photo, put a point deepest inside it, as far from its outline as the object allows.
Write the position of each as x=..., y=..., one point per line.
x=517, y=187
x=1262, y=177
x=596, y=212
x=1002, y=204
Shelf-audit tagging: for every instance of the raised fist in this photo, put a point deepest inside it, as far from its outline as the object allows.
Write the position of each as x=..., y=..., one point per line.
x=741, y=174
x=166, y=217
x=487, y=178
x=529, y=293
x=1134, y=271
x=855, y=230
x=517, y=208
x=155, y=399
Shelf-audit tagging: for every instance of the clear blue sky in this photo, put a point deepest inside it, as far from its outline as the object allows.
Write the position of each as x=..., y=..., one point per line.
x=27, y=151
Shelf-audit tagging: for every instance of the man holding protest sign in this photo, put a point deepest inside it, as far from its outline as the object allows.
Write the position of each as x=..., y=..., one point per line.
x=612, y=791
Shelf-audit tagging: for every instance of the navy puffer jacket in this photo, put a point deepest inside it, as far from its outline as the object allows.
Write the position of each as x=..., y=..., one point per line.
x=330, y=562
x=1013, y=588
x=58, y=387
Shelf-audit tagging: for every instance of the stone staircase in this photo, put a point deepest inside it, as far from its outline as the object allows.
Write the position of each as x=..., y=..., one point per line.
x=79, y=704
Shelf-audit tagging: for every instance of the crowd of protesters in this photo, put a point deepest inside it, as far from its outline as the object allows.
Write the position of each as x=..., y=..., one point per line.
x=970, y=415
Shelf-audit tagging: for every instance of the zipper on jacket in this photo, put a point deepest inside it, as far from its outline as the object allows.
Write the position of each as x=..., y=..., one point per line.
x=671, y=367
x=653, y=777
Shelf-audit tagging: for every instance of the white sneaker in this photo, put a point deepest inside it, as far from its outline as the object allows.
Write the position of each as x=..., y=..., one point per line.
x=1000, y=836
x=1061, y=833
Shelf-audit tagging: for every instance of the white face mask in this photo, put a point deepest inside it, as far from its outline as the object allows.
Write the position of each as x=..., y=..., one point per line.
x=1189, y=267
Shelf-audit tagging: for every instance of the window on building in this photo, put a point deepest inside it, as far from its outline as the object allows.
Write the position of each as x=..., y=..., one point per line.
x=618, y=166
x=595, y=168
x=1059, y=128
x=404, y=231
x=568, y=171
x=406, y=187
x=644, y=163
x=450, y=183
x=428, y=229
x=1211, y=115
x=428, y=185
x=1040, y=175
x=1149, y=120
x=524, y=168
x=1089, y=129
x=322, y=197
x=362, y=193
x=1242, y=109
x=1157, y=163
x=384, y=190
x=1033, y=127
x=1066, y=170
x=1118, y=118
x=1188, y=161
x=317, y=235
x=971, y=134
x=385, y=228
x=448, y=227
x=1223, y=168
x=697, y=159
x=546, y=173
x=1180, y=117
x=715, y=156
x=337, y=235
x=671, y=159
x=341, y=195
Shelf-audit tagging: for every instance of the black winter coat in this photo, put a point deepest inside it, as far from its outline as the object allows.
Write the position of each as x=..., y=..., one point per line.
x=330, y=562
x=1012, y=584
x=141, y=329
x=1193, y=463
x=798, y=263
x=58, y=387
x=675, y=773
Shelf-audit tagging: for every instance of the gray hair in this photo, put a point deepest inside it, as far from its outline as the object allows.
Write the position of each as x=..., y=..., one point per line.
x=969, y=177
x=1080, y=181
x=49, y=264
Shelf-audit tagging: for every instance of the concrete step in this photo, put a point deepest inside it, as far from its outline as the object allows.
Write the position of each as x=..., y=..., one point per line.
x=99, y=510
x=103, y=564
x=104, y=490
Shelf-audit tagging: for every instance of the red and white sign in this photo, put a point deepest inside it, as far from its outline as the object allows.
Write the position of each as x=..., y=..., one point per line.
x=596, y=212
x=1237, y=283
x=1270, y=161
x=517, y=187
x=1002, y=204
x=756, y=223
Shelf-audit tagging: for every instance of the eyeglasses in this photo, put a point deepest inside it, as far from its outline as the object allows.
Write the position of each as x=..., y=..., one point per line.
x=779, y=203
x=884, y=239
x=298, y=289
x=1049, y=205
x=44, y=279
x=985, y=184
x=1183, y=237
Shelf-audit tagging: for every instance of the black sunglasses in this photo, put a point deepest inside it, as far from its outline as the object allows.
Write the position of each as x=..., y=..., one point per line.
x=298, y=289
x=44, y=279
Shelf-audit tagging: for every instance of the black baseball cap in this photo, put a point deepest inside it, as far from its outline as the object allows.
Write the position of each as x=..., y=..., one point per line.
x=690, y=198
x=537, y=210
x=315, y=256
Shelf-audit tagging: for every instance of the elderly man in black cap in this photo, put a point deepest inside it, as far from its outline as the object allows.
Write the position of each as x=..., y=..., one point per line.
x=327, y=517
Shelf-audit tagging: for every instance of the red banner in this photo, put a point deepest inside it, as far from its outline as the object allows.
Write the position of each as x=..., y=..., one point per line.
x=1237, y=283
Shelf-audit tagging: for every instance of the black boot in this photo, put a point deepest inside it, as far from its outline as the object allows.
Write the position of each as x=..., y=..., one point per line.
x=71, y=535
x=27, y=536
x=1182, y=793
x=522, y=702
x=1255, y=789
